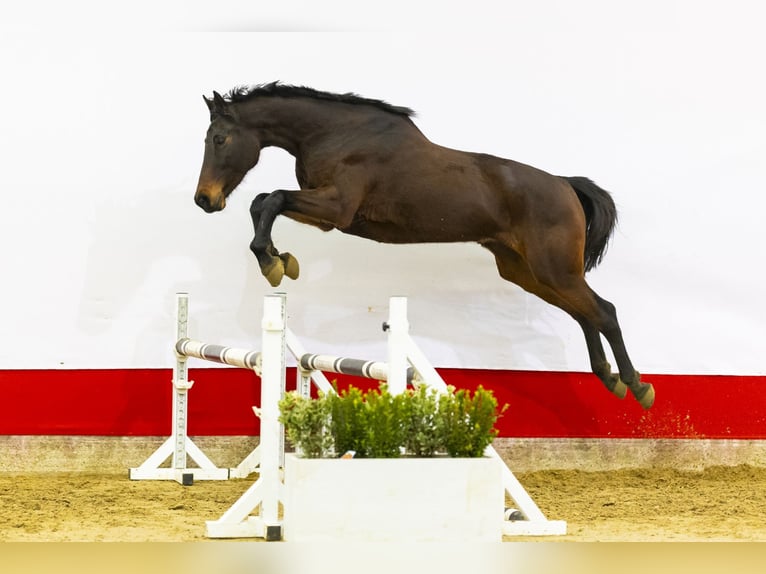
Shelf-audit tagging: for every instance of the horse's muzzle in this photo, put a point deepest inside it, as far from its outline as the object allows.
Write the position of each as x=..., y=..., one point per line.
x=210, y=206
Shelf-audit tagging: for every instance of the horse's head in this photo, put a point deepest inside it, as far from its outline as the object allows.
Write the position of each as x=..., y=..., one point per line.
x=231, y=150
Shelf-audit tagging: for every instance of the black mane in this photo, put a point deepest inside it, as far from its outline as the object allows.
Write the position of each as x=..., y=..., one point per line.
x=244, y=93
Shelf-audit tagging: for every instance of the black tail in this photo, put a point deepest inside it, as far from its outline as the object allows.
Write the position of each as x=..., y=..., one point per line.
x=600, y=218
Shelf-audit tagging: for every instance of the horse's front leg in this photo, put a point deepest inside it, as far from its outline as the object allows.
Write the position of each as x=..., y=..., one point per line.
x=274, y=265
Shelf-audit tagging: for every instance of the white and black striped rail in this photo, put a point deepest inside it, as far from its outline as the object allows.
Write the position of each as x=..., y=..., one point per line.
x=219, y=354
x=344, y=365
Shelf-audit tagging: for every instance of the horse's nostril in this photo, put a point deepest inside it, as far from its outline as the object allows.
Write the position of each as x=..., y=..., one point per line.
x=203, y=201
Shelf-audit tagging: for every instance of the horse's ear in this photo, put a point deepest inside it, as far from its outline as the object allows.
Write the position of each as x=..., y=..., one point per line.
x=219, y=102
x=217, y=106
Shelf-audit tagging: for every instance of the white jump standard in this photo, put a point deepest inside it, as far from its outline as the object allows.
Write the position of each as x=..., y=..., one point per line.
x=266, y=493
x=179, y=445
x=255, y=513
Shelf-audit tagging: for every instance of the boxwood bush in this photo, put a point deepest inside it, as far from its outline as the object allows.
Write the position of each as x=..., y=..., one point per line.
x=419, y=422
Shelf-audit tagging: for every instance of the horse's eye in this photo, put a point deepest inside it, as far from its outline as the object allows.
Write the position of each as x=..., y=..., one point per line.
x=218, y=139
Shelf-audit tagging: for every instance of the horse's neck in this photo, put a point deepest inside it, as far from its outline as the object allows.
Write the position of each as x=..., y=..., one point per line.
x=289, y=122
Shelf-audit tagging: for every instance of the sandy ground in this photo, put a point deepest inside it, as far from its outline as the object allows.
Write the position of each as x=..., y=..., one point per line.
x=718, y=504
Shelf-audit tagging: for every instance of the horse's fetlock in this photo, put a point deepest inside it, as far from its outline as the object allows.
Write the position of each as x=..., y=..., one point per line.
x=603, y=371
x=259, y=247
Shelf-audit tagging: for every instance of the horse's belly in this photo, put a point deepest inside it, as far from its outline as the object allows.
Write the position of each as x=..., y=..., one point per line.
x=388, y=232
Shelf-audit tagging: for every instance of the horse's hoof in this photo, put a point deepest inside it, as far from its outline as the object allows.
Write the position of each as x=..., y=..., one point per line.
x=274, y=272
x=292, y=269
x=611, y=381
x=618, y=388
x=644, y=394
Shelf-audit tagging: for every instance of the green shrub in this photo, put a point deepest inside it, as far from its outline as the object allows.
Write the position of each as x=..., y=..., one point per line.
x=306, y=423
x=349, y=424
x=422, y=435
x=467, y=422
x=378, y=424
x=385, y=423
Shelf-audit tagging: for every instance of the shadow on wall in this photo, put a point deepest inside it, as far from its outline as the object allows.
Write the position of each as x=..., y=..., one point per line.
x=460, y=310
x=151, y=245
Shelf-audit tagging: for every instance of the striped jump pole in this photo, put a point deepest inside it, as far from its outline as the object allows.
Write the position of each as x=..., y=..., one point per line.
x=346, y=366
x=397, y=372
x=219, y=354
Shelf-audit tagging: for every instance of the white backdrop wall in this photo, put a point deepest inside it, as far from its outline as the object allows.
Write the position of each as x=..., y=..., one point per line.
x=661, y=104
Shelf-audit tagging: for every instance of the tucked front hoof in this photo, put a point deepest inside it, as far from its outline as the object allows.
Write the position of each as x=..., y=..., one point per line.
x=644, y=393
x=617, y=387
x=292, y=269
x=274, y=272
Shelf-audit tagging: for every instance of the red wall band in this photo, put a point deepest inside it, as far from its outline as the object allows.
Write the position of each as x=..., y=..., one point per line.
x=137, y=402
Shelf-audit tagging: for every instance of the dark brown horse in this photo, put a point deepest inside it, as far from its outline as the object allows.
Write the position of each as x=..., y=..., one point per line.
x=364, y=168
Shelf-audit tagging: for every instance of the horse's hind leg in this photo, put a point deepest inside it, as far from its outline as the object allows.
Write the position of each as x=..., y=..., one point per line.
x=598, y=362
x=643, y=392
x=274, y=265
x=601, y=314
x=554, y=269
x=513, y=268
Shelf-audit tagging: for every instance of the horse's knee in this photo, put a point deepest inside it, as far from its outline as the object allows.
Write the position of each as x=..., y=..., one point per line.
x=257, y=204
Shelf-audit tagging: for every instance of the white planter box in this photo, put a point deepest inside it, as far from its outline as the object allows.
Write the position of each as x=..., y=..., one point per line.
x=402, y=500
